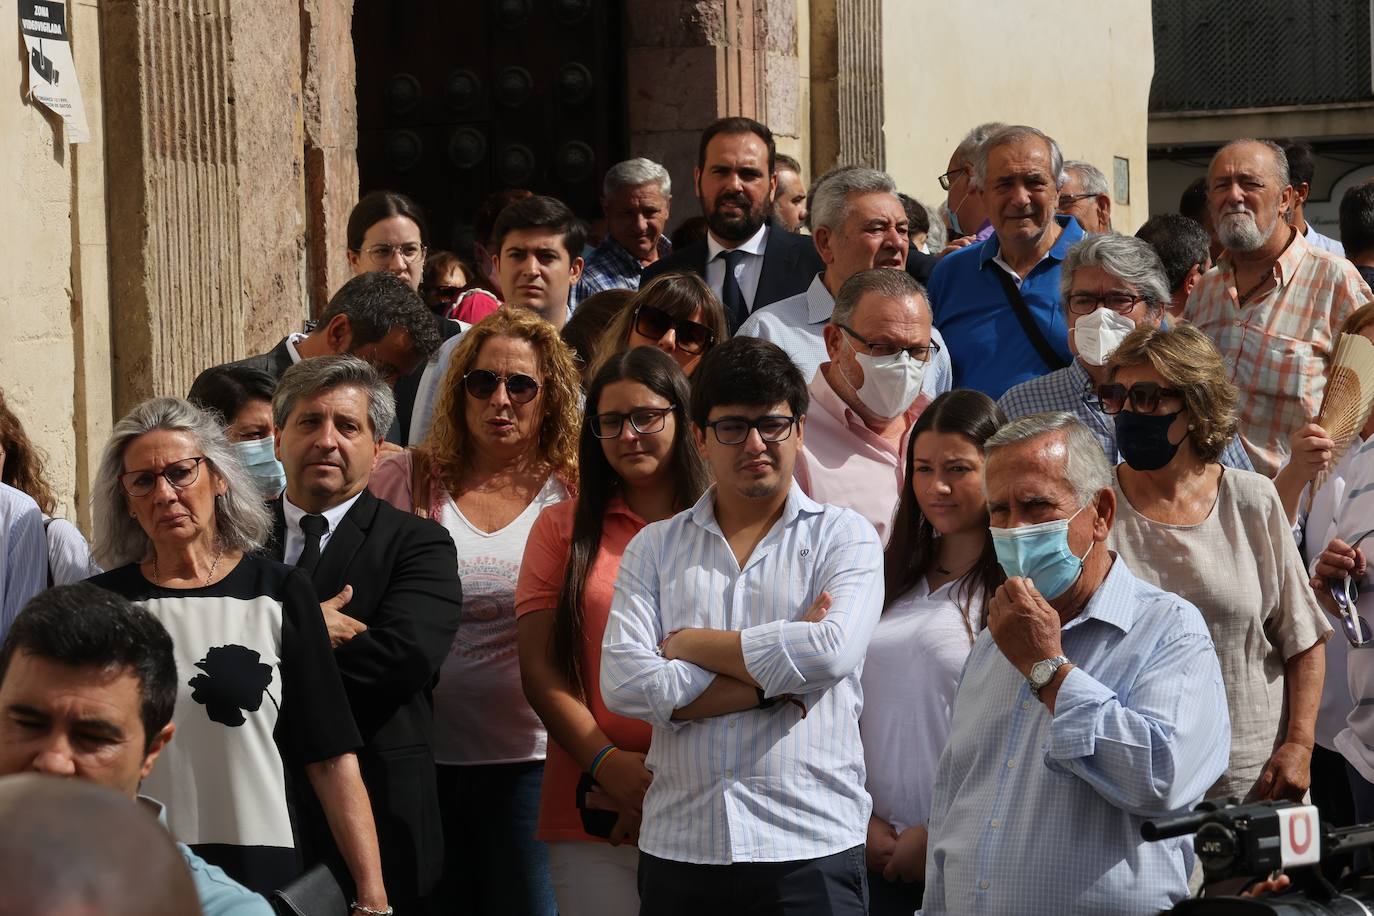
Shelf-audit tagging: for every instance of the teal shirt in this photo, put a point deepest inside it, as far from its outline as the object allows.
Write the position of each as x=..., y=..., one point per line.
x=220, y=895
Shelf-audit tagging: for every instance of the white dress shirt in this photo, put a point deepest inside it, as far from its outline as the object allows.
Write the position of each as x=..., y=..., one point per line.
x=746, y=272
x=291, y=341
x=1313, y=237
x=763, y=785
x=295, y=538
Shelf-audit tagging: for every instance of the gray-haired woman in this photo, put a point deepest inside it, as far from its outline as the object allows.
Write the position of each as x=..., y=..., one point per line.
x=177, y=520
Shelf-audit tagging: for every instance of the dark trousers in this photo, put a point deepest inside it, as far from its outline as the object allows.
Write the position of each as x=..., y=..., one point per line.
x=893, y=898
x=1331, y=794
x=829, y=886
x=493, y=865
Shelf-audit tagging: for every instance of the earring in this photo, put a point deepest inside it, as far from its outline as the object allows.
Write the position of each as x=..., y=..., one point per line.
x=1191, y=427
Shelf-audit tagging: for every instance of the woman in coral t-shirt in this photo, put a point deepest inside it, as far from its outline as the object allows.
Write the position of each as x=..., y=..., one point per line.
x=638, y=465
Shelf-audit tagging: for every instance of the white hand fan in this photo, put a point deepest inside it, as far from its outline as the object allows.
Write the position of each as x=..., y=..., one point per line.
x=1348, y=397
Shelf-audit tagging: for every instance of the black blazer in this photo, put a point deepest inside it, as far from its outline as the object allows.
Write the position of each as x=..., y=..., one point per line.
x=404, y=573
x=274, y=362
x=790, y=263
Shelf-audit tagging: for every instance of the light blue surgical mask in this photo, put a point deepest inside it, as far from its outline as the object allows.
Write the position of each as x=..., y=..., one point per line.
x=1041, y=553
x=259, y=459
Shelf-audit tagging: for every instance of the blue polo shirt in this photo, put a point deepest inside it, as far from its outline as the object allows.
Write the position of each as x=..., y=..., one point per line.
x=987, y=345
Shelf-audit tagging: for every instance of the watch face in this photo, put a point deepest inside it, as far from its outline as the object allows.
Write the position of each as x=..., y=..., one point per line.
x=1041, y=672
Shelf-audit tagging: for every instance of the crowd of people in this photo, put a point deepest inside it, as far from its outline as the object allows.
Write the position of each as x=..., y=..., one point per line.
x=838, y=555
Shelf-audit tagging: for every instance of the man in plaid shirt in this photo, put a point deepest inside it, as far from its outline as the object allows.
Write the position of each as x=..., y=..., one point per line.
x=1273, y=302
x=636, y=197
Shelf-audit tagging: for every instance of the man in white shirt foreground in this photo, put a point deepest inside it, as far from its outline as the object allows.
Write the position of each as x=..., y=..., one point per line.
x=738, y=630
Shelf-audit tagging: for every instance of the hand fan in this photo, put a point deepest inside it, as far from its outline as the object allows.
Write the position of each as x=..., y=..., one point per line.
x=1348, y=397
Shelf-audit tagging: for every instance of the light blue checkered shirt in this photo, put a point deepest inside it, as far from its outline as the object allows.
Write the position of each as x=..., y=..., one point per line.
x=1067, y=389
x=24, y=561
x=795, y=324
x=1034, y=813
x=612, y=267
x=764, y=785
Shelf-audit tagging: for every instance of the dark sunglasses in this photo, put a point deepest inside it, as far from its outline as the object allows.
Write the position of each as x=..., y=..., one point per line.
x=482, y=384
x=692, y=336
x=1144, y=397
x=447, y=293
x=948, y=178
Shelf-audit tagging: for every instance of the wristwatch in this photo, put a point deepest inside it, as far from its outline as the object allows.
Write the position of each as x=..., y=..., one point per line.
x=1042, y=673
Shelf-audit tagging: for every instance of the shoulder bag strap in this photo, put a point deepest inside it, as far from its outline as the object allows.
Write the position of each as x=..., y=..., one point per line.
x=1027, y=321
x=419, y=483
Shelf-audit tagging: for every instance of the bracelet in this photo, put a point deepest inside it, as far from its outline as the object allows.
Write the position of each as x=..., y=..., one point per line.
x=356, y=907
x=602, y=758
x=596, y=761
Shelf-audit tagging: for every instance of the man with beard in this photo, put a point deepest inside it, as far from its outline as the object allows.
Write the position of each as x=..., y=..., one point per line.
x=747, y=259
x=1273, y=302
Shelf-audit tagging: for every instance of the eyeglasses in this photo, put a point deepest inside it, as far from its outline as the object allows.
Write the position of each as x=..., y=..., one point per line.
x=1087, y=303
x=1144, y=397
x=691, y=336
x=948, y=178
x=1068, y=200
x=734, y=430
x=180, y=474
x=919, y=352
x=446, y=293
x=644, y=421
x=381, y=254
x=482, y=384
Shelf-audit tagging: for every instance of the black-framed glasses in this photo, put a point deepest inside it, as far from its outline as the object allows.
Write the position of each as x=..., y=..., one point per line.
x=1087, y=303
x=691, y=336
x=1068, y=200
x=482, y=384
x=734, y=430
x=919, y=352
x=645, y=421
x=948, y=178
x=180, y=474
x=1144, y=397
x=382, y=254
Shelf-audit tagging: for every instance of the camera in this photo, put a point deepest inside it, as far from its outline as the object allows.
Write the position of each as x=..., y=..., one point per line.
x=1256, y=840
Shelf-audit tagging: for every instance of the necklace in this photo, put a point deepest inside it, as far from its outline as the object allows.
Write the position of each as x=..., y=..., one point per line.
x=214, y=564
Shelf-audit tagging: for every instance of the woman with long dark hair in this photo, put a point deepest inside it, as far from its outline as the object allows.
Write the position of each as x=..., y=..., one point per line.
x=638, y=465
x=939, y=569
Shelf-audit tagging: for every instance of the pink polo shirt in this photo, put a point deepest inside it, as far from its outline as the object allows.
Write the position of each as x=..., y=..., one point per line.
x=844, y=463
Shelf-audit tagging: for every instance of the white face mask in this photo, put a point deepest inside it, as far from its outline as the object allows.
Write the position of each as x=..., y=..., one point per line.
x=1097, y=336
x=891, y=383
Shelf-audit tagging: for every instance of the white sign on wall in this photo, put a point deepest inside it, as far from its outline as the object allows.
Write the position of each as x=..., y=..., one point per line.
x=52, y=74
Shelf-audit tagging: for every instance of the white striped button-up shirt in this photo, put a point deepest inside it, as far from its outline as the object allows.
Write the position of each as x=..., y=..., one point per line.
x=763, y=785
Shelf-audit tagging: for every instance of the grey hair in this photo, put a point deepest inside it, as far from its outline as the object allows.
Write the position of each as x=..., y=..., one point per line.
x=976, y=138
x=1129, y=259
x=242, y=521
x=309, y=377
x=634, y=172
x=936, y=235
x=1280, y=158
x=1089, y=176
x=1085, y=468
x=1017, y=133
x=894, y=284
x=830, y=202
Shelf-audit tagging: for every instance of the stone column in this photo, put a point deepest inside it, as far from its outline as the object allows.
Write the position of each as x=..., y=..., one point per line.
x=846, y=84
x=205, y=181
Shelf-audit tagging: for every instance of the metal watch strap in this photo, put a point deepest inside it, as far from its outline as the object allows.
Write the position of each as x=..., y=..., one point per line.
x=1058, y=662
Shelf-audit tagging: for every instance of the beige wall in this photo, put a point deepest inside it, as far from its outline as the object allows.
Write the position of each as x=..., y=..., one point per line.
x=54, y=295
x=1078, y=69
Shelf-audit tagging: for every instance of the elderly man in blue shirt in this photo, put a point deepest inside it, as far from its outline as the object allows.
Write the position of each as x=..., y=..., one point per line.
x=1091, y=702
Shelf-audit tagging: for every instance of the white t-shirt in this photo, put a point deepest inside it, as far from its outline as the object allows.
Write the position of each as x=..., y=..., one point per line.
x=480, y=712
x=909, y=679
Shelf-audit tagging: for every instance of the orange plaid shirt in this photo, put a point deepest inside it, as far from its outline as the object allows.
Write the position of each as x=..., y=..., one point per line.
x=1279, y=344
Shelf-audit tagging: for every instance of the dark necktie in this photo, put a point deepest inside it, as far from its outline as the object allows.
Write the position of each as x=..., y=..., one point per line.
x=313, y=527
x=731, y=296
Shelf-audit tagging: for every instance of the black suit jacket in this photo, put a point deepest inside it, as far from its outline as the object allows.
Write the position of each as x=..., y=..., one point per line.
x=274, y=362
x=404, y=573
x=790, y=263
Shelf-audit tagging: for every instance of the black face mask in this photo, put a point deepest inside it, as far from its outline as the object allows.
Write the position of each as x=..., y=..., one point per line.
x=1143, y=439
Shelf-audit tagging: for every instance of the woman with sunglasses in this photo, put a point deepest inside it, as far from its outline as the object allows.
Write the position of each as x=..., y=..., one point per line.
x=939, y=569
x=638, y=465
x=1220, y=538
x=676, y=312
x=178, y=521
x=503, y=447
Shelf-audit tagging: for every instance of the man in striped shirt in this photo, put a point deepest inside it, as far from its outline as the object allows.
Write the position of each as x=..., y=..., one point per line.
x=1273, y=302
x=738, y=629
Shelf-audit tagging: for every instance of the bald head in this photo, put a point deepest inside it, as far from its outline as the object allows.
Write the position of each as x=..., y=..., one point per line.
x=70, y=848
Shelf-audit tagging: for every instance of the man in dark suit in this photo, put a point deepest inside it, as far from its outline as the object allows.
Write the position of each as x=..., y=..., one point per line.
x=374, y=316
x=392, y=583
x=748, y=259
